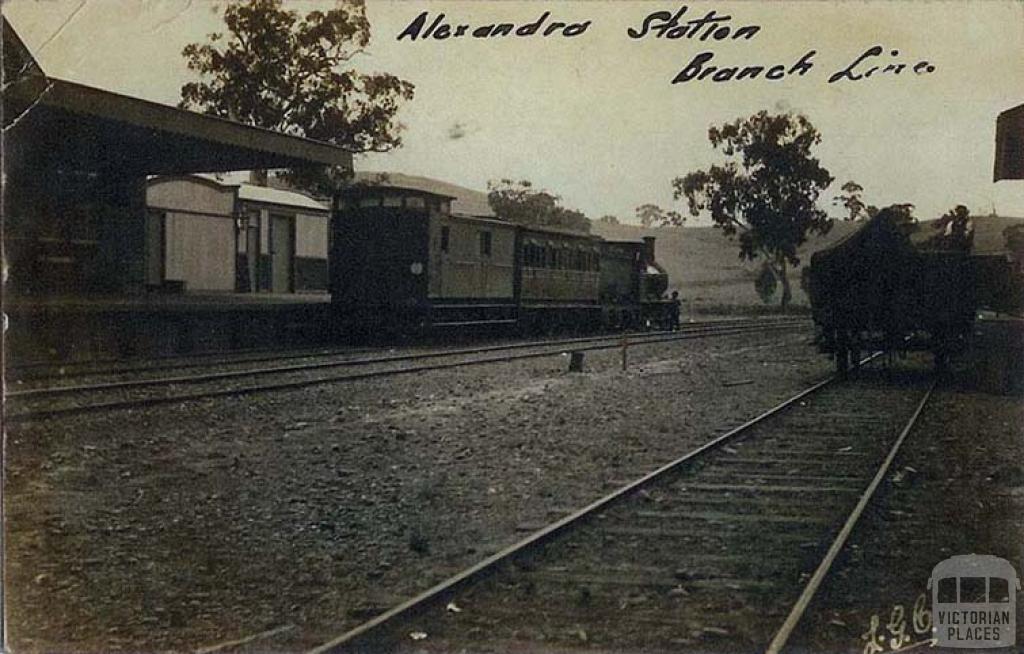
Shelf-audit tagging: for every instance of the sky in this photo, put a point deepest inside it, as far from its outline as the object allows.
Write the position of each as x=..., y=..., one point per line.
x=596, y=118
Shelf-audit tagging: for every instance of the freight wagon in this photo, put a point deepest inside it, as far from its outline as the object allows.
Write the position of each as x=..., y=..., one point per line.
x=874, y=290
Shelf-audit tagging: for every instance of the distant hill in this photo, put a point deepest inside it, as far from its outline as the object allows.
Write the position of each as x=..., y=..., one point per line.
x=704, y=266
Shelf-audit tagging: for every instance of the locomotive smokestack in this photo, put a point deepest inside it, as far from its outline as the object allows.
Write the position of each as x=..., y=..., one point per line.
x=648, y=251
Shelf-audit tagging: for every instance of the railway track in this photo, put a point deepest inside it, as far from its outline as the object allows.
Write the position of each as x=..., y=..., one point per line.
x=45, y=375
x=136, y=393
x=720, y=550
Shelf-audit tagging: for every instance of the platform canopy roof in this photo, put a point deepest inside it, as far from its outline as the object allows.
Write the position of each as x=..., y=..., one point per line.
x=52, y=123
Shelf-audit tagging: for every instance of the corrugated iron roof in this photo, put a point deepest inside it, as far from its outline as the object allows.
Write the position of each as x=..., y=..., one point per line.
x=270, y=195
x=255, y=193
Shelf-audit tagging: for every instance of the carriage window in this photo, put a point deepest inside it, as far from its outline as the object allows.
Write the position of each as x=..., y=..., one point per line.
x=972, y=589
x=998, y=589
x=415, y=202
x=446, y=234
x=485, y=244
x=369, y=202
x=392, y=201
x=947, y=590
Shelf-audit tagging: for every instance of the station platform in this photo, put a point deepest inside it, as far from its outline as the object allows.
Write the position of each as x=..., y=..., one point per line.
x=82, y=328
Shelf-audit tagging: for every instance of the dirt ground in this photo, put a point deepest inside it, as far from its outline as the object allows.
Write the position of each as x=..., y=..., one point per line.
x=307, y=512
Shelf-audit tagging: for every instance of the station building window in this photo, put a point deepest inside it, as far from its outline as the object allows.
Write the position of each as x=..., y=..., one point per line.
x=446, y=235
x=485, y=244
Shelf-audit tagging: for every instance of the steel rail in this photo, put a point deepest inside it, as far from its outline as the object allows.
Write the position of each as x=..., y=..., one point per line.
x=48, y=371
x=170, y=399
x=303, y=383
x=782, y=636
x=56, y=391
x=491, y=563
x=167, y=362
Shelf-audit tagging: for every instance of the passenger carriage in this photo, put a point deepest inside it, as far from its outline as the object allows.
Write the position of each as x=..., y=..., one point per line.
x=402, y=262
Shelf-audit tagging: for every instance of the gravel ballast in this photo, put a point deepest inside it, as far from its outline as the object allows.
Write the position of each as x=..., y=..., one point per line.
x=307, y=512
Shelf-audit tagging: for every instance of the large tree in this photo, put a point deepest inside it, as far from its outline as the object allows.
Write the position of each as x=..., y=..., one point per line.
x=852, y=201
x=767, y=190
x=651, y=215
x=278, y=70
x=520, y=202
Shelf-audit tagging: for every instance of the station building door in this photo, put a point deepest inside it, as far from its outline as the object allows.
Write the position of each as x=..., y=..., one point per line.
x=282, y=253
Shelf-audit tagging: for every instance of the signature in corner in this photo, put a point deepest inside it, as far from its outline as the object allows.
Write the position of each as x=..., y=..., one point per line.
x=897, y=638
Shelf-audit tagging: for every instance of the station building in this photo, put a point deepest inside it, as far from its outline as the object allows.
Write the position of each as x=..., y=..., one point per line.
x=78, y=161
x=205, y=234
x=80, y=248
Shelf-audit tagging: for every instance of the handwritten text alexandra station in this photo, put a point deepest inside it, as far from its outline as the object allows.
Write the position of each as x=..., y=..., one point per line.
x=874, y=61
